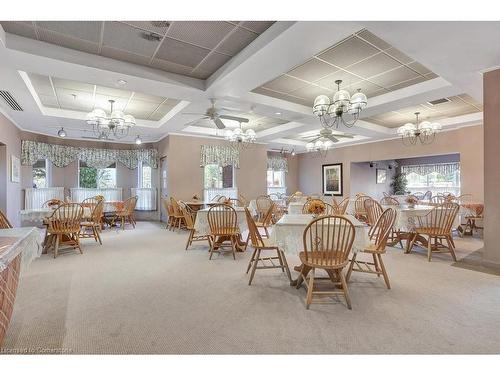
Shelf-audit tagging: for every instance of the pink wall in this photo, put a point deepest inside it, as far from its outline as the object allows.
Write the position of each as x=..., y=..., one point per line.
x=491, y=86
x=11, y=200
x=468, y=142
x=364, y=178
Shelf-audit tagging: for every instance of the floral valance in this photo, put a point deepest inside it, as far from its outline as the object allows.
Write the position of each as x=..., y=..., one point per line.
x=425, y=169
x=277, y=163
x=61, y=156
x=220, y=155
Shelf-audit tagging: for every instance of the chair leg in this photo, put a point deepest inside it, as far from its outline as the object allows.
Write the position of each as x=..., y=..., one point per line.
x=56, y=247
x=384, y=271
x=212, y=248
x=344, y=288
x=429, y=249
x=452, y=250
x=98, y=236
x=310, y=289
x=123, y=222
x=267, y=232
x=278, y=253
x=254, y=267
x=251, y=260
x=351, y=266
x=246, y=243
x=233, y=246
x=287, y=269
x=188, y=243
x=375, y=264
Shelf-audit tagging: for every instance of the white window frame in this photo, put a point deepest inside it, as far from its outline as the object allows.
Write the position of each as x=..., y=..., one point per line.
x=277, y=189
x=48, y=172
x=140, y=180
x=209, y=193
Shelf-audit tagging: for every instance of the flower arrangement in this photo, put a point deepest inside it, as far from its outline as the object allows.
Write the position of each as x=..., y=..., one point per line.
x=228, y=202
x=99, y=197
x=54, y=204
x=411, y=201
x=196, y=198
x=449, y=198
x=316, y=207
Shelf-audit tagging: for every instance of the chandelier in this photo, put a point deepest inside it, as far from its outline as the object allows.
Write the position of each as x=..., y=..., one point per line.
x=116, y=123
x=331, y=112
x=319, y=147
x=240, y=138
x=423, y=132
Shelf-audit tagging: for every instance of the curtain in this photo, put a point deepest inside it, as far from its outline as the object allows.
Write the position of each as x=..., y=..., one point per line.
x=61, y=156
x=34, y=198
x=146, y=198
x=109, y=194
x=277, y=163
x=425, y=169
x=220, y=155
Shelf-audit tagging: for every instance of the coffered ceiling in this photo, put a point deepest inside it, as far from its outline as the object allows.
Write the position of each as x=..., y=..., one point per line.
x=192, y=48
x=60, y=93
x=269, y=72
x=450, y=107
x=255, y=121
x=362, y=61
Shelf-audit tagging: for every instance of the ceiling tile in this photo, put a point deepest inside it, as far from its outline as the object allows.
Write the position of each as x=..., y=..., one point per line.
x=368, y=88
x=127, y=38
x=349, y=52
x=310, y=92
x=313, y=70
x=126, y=56
x=102, y=101
x=407, y=83
x=48, y=101
x=398, y=55
x=72, y=85
x=148, y=98
x=68, y=42
x=373, y=39
x=181, y=53
x=25, y=29
x=202, y=33
x=140, y=106
x=200, y=74
x=213, y=62
x=171, y=67
x=346, y=77
x=285, y=84
x=163, y=109
x=41, y=84
x=374, y=65
x=66, y=96
x=157, y=27
x=113, y=93
x=394, y=77
x=76, y=105
x=257, y=26
x=419, y=68
x=431, y=75
x=234, y=43
x=86, y=30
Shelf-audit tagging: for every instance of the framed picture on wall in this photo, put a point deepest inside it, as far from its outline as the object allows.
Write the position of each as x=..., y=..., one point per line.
x=381, y=176
x=332, y=179
x=15, y=168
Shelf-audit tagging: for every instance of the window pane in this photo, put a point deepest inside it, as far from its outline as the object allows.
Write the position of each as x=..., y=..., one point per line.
x=213, y=176
x=87, y=176
x=40, y=174
x=146, y=181
x=92, y=178
x=227, y=176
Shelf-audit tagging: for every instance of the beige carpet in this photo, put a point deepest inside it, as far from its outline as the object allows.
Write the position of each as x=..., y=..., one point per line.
x=141, y=292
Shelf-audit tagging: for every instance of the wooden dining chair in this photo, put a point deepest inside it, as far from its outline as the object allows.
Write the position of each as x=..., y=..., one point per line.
x=190, y=219
x=223, y=223
x=4, y=222
x=359, y=207
x=263, y=202
x=327, y=243
x=379, y=235
x=215, y=199
x=437, y=226
x=389, y=201
x=341, y=208
x=261, y=246
x=64, y=226
x=54, y=202
x=222, y=199
x=168, y=212
x=427, y=196
x=267, y=220
x=178, y=220
x=438, y=199
x=126, y=214
x=373, y=211
x=92, y=226
x=236, y=202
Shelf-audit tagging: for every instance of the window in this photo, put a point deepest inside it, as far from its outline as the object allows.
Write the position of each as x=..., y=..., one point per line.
x=276, y=182
x=438, y=178
x=40, y=175
x=92, y=178
x=219, y=181
x=145, y=176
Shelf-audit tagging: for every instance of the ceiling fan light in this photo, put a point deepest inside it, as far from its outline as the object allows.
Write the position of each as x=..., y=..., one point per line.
x=318, y=144
x=342, y=98
x=250, y=133
x=436, y=126
x=129, y=120
x=310, y=146
x=327, y=144
x=359, y=101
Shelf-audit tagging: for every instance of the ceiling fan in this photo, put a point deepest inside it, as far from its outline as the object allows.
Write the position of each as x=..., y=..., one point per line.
x=328, y=135
x=215, y=116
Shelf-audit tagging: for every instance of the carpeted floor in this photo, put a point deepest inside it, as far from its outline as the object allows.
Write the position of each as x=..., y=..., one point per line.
x=141, y=292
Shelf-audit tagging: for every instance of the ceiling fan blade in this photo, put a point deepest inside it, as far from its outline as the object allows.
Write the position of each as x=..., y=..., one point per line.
x=218, y=122
x=332, y=138
x=234, y=118
x=343, y=135
x=196, y=121
x=193, y=114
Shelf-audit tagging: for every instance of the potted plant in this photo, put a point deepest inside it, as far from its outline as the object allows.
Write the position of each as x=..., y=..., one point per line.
x=399, y=183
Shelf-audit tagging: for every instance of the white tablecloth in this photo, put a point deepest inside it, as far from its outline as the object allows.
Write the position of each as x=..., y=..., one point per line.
x=289, y=230
x=295, y=208
x=38, y=214
x=28, y=243
x=203, y=228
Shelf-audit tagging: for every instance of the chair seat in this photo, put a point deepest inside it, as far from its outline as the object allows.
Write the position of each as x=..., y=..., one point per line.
x=372, y=249
x=227, y=232
x=89, y=223
x=431, y=231
x=316, y=260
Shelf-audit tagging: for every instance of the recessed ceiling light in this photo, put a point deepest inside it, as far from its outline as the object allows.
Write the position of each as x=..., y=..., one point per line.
x=121, y=82
x=277, y=113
